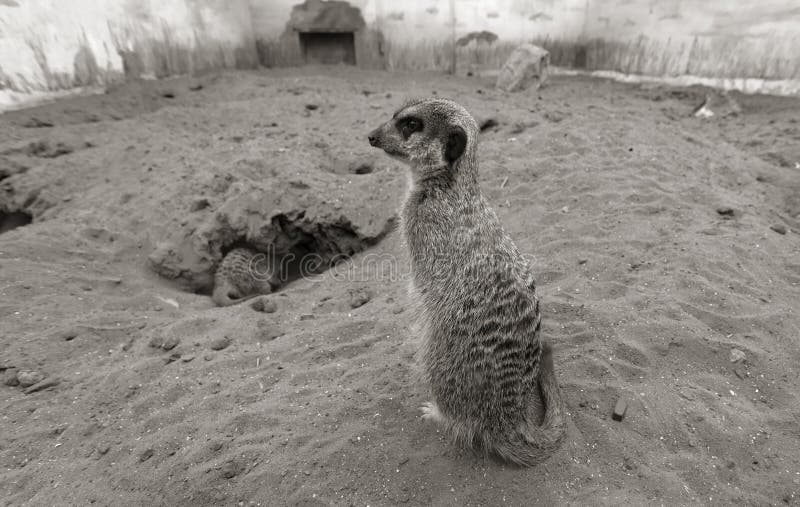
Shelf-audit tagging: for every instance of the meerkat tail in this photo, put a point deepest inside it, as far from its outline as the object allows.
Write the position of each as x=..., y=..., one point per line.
x=530, y=443
x=222, y=295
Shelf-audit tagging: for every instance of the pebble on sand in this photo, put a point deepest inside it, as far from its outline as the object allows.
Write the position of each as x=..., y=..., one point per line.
x=229, y=470
x=265, y=305
x=27, y=378
x=267, y=331
x=70, y=334
x=359, y=297
x=10, y=377
x=220, y=343
x=619, y=409
x=779, y=228
x=146, y=455
x=726, y=211
x=737, y=356
x=170, y=343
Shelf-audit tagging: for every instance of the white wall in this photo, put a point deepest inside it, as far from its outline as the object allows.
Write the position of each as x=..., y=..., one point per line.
x=59, y=44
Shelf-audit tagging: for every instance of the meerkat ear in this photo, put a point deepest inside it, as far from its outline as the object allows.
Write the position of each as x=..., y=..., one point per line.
x=456, y=143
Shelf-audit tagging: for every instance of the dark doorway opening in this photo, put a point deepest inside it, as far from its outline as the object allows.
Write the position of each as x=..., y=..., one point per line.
x=328, y=48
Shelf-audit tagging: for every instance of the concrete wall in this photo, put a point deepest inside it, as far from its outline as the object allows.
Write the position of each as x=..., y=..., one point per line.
x=734, y=38
x=48, y=45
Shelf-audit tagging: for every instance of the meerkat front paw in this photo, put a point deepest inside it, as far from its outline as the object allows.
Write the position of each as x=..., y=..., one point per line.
x=430, y=412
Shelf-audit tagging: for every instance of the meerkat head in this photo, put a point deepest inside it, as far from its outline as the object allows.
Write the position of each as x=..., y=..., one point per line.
x=433, y=136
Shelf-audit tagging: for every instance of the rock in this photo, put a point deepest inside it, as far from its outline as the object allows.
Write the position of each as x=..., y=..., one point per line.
x=172, y=357
x=10, y=377
x=41, y=386
x=103, y=449
x=312, y=107
x=27, y=378
x=488, y=124
x=70, y=334
x=737, y=356
x=188, y=358
x=267, y=331
x=619, y=409
x=146, y=455
x=229, y=470
x=195, y=87
x=726, y=211
x=359, y=297
x=361, y=168
x=779, y=228
x=156, y=342
x=528, y=66
x=265, y=305
x=199, y=204
x=307, y=316
x=170, y=343
x=221, y=343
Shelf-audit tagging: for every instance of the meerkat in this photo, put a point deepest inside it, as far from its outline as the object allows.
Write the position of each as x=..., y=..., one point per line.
x=490, y=373
x=244, y=274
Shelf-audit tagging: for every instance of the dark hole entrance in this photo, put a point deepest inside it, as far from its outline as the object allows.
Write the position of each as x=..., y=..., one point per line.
x=9, y=221
x=328, y=48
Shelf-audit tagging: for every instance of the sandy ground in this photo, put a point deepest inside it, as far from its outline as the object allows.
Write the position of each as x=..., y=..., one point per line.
x=654, y=254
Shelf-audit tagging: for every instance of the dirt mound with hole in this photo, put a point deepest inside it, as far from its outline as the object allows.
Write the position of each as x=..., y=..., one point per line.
x=304, y=220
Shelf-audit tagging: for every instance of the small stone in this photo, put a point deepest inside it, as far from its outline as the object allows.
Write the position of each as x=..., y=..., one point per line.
x=208, y=357
x=28, y=378
x=312, y=107
x=726, y=211
x=779, y=228
x=265, y=305
x=583, y=261
x=359, y=297
x=41, y=386
x=229, y=470
x=10, y=377
x=188, y=358
x=199, y=204
x=170, y=343
x=488, y=124
x=737, y=356
x=195, y=87
x=103, y=449
x=70, y=334
x=172, y=357
x=619, y=409
x=146, y=455
x=221, y=343
x=398, y=310
x=267, y=331
x=156, y=342
x=361, y=168
x=306, y=316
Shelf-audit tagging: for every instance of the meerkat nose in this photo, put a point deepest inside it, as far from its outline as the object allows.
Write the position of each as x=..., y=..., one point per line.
x=373, y=138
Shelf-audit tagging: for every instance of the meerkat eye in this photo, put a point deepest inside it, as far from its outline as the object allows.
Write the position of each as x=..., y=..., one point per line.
x=410, y=126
